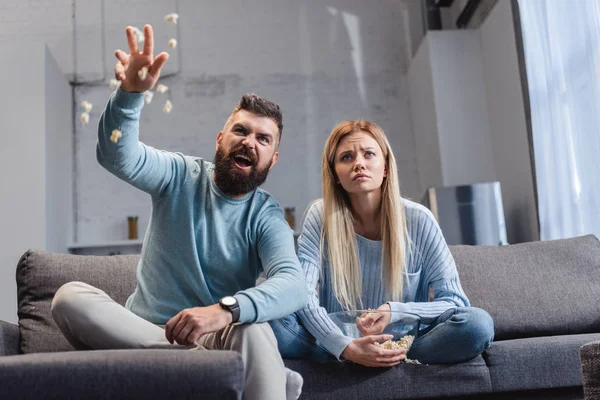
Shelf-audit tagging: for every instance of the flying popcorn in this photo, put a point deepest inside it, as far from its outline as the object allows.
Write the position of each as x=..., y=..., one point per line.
x=84, y=118
x=114, y=84
x=168, y=106
x=116, y=135
x=148, y=97
x=173, y=43
x=143, y=73
x=86, y=105
x=172, y=18
x=161, y=88
x=139, y=35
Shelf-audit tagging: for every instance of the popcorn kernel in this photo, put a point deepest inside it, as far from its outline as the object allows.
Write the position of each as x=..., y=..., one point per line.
x=143, y=73
x=172, y=18
x=161, y=88
x=114, y=84
x=116, y=135
x=148, y=95
x=86, y=105
x=168, y=106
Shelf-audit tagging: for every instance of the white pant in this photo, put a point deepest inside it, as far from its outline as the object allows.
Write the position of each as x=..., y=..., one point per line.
x=90, y=319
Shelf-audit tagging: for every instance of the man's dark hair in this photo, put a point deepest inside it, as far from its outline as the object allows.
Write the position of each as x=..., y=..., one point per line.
x=257, y=105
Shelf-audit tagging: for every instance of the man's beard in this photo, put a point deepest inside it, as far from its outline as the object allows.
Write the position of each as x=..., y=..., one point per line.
x=233, y=181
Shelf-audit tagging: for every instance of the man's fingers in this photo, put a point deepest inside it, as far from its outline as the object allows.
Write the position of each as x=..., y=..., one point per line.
x=122, y=56
x=119, y=71
x=132, y=40
x=148, y=41
x=158, y=63
x=178, y=328
x=183, y=333
x=169, y=327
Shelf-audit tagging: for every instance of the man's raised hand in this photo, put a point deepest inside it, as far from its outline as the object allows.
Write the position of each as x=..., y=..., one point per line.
x=128, y=65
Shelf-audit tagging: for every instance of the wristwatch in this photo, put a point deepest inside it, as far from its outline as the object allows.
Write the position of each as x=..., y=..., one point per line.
x=230, y=304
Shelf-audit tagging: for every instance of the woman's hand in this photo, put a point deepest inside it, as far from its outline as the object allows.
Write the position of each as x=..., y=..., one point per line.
x=373, y=323
x=130, y=64
x=364, y=351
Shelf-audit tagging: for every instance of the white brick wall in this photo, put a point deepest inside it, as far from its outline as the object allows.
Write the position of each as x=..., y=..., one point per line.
x=322, y=63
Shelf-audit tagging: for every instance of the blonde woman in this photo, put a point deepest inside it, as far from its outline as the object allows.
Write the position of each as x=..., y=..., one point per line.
x=363, y=246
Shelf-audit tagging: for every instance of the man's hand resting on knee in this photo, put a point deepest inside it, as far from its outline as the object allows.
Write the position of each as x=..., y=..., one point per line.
x=188, y=325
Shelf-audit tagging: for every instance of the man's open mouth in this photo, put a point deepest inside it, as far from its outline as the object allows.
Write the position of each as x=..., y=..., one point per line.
x=242, y=162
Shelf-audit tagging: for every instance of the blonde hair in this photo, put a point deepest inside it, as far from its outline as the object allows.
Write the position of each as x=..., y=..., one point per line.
x=338, y=221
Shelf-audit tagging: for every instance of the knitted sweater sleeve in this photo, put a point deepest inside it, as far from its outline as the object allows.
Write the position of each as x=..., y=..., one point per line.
x=314, y=317
x=438, y=270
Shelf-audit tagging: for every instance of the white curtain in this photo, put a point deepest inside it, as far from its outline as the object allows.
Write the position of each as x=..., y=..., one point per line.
x=561, y=40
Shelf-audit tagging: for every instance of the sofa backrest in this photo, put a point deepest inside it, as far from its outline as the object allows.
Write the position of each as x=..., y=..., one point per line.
x=529, y=289
x=534, y=289
x=40, y=274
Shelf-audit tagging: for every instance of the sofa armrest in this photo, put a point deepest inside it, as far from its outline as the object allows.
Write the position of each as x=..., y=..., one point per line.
x=128, y=374
x=9, y=339
x=589, y=354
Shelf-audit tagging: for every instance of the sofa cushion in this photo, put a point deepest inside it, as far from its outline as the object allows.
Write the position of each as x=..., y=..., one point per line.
x=534, y=289
x=40, y=274
x=536, y=363
x=334, y=380
x=123, y=374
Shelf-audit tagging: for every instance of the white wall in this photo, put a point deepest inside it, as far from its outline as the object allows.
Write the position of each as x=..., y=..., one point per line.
x=35, y=161
x=423, y=112
x=449, y=111
x=462, y=117
x=508, y=123
x=416, y=24
x=59, y=156
x=468, y=116
x=322, y=63
x=22, y=157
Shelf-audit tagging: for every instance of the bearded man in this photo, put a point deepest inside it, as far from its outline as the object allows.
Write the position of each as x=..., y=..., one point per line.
x=212, y=232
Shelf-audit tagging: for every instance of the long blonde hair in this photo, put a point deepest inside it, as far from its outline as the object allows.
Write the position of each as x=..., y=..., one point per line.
x=338, y=221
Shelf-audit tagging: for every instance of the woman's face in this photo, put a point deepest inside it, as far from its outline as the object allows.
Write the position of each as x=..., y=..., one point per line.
x=359, y=163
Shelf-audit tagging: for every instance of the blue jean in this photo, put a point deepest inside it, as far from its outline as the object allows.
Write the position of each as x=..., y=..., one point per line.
x=457, y=335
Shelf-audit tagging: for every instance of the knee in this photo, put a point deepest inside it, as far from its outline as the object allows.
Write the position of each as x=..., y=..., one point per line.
x=479, y=327
x=66, y=298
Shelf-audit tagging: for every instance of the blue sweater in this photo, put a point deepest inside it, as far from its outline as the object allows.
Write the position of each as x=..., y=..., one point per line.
x=429, y=265
x=200, y=244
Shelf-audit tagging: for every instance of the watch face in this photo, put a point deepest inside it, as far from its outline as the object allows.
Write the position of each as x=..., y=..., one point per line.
x=228, y=301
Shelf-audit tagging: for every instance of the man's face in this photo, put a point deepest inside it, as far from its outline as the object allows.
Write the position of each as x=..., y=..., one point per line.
x=246, y=151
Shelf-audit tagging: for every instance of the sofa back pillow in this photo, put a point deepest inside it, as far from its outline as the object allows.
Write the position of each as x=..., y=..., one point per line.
x=534, y=289
x=40, y=274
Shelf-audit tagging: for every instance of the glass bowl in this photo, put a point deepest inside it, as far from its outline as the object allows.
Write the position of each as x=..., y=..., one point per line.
x=406, y=325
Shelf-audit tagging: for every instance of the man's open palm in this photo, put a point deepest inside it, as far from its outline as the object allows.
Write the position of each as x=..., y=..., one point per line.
x=128, y=66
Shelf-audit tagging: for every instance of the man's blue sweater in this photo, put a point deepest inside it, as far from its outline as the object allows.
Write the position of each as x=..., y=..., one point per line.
x=200, y=244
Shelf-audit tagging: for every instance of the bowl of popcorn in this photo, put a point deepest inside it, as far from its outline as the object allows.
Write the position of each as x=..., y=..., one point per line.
x=403, y=330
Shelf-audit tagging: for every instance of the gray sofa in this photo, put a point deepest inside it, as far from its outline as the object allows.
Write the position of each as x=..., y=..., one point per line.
x=544, y=298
